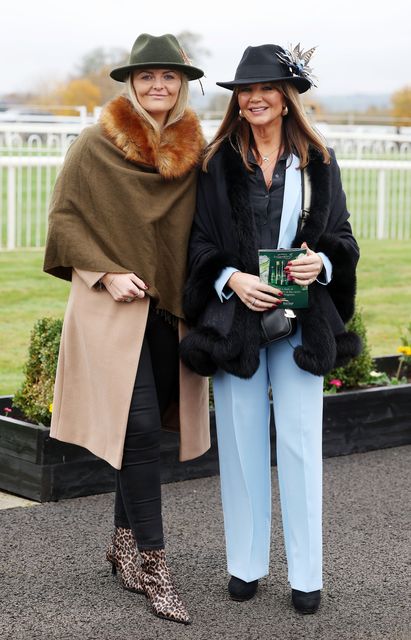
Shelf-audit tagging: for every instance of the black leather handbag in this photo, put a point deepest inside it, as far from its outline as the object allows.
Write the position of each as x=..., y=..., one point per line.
x=277, y=324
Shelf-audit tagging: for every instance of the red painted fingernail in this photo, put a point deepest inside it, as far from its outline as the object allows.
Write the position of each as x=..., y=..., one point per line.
x=273, y=306
x=280, y=293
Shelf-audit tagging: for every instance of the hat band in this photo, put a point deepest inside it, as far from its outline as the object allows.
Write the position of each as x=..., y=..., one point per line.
x=261, y=70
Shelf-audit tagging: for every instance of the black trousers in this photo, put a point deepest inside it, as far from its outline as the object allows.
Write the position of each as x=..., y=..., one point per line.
x=138, y=487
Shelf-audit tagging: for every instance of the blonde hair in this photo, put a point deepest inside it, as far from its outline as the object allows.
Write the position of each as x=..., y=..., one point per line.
x=175, y=114
x=297, y=132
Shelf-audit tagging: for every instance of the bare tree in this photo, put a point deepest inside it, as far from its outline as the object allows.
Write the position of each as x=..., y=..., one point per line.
x=95, y=60
x=191, y=43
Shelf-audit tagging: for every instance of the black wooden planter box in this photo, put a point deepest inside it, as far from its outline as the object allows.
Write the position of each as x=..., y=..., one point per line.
x=40, y=468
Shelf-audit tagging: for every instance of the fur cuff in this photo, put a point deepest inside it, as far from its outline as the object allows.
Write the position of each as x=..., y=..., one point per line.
x=349, y=345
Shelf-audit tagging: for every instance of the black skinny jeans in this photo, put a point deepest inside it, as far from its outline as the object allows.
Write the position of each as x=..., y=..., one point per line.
x=138, y=488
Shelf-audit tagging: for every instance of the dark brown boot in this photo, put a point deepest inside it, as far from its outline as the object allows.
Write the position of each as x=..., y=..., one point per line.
x=123, y=556
x=159, y=587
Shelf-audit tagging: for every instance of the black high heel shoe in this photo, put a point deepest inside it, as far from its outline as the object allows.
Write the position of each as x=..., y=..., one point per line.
x=240, y=590
x=306, y=602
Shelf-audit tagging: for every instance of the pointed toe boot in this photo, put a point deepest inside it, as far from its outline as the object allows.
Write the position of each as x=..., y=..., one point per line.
x=123, y=555
x=159, y=588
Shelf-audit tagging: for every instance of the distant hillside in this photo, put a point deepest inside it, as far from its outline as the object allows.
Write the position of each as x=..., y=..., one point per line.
x=354, y=102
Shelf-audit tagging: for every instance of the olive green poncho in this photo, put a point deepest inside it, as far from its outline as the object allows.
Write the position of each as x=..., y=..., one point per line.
x=124, y=202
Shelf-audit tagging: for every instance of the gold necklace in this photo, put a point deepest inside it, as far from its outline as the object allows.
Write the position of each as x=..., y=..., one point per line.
x=267, y=167
x=266, y=157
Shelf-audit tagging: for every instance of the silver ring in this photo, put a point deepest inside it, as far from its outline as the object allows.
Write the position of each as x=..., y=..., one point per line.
x=253, y=302
x=128, y=299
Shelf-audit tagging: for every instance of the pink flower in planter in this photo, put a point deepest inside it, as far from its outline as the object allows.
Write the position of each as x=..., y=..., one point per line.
x=336, y=383
x=7, y=410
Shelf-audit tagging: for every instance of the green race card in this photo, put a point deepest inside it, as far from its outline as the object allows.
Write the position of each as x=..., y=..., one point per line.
x=272, y=263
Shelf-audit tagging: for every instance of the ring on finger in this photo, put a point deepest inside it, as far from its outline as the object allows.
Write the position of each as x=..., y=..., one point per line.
x=253, y=302
x=128, y=299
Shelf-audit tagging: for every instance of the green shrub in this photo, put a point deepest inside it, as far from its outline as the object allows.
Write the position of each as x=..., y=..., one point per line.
x=357, y=372
x=35, y=396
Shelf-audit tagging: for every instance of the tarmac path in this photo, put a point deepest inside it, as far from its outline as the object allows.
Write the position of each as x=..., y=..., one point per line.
x=56, y=585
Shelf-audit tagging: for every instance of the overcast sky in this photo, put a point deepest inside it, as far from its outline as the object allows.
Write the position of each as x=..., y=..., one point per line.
x=363, y=45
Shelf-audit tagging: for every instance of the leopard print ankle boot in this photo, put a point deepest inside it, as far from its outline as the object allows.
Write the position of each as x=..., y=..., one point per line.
x=123, y=556
x=159, y=587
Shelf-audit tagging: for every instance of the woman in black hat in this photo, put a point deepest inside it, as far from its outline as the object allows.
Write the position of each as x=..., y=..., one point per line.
x=119, y=229
x=250, y=197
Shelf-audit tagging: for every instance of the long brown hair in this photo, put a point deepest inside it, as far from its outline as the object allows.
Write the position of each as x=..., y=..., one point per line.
x=297, y=132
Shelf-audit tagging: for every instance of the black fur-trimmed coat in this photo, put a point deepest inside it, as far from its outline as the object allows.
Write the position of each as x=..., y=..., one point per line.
x=224, y=234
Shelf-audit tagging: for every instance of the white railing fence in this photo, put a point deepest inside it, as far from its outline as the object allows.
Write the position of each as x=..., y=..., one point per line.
x=27, y=183
x=378, y=197
x=376, y=172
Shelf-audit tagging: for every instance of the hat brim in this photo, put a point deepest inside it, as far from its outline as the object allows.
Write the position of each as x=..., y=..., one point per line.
x=121, y=73
x=301, y=84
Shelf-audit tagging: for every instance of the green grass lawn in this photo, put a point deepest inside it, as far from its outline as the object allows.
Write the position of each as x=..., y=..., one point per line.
x=384, y=292
x=28, y=294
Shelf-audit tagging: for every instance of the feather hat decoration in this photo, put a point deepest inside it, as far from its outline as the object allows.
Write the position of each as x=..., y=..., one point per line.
x=272, y=63
x=189, y=62
x=297, y=61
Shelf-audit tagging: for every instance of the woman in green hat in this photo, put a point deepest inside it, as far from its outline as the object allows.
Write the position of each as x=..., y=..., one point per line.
x=118, y=229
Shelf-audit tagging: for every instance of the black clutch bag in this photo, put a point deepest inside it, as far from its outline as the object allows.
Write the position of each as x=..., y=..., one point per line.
x=277, y=324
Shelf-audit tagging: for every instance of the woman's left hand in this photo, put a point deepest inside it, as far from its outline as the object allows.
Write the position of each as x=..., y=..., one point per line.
x=306, y=269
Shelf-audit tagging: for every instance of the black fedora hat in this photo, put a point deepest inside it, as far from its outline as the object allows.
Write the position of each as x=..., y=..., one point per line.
x=150, y=52
x=271, y=63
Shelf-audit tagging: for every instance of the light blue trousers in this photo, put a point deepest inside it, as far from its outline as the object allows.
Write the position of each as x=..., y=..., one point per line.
x=242, y=417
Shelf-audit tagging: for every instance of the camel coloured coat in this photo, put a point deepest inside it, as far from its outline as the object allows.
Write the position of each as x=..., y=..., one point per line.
x=101, y=339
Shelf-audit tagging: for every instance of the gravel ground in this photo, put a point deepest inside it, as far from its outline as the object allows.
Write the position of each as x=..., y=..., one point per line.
x=56, y=585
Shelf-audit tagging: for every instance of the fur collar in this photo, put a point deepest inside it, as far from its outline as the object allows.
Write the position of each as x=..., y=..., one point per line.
x=173, y=154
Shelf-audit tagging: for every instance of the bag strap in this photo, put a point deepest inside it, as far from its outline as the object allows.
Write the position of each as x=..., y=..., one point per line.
x=306, y=198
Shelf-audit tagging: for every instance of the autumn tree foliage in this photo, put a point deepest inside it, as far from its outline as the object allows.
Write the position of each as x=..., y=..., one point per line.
x=80, y=91
x=401, y=106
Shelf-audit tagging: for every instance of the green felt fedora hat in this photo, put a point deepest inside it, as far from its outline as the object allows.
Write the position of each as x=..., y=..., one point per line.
x=159, y=52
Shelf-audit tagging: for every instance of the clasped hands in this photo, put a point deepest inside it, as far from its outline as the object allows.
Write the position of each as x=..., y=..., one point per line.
x=124, y=287
x=259, y=296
